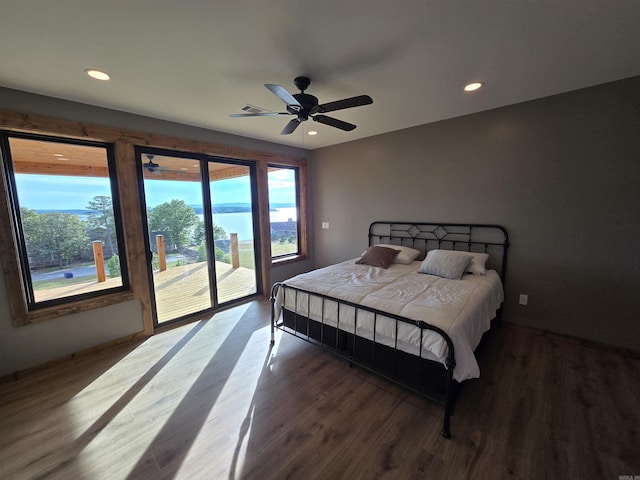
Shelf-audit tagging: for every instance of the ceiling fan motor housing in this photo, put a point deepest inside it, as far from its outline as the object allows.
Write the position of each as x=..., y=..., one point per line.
x=309, y=105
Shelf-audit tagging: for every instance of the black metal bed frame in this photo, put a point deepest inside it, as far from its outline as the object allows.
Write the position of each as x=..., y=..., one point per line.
x=412, y=372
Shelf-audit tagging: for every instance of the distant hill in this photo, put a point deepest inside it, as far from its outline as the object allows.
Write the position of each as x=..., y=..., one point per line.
x=217, y=208
x=236, y=207
x=71, y=211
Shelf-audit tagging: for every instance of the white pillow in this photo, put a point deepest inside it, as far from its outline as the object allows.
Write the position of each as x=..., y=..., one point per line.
x=406, y=255
x=477, y=263
x=445, y=263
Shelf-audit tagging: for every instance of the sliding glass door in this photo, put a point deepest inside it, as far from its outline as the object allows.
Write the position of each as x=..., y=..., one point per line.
x=234, y=222
x=200, y=232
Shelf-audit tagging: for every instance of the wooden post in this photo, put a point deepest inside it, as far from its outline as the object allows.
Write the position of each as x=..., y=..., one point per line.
x=235, y=257
x=162, y=258
x=98, y=257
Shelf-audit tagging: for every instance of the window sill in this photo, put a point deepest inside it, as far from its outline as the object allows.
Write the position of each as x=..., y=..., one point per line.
x=70, y=308
x=285, y=260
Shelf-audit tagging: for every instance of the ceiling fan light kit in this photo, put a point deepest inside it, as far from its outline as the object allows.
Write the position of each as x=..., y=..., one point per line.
x=305, y=106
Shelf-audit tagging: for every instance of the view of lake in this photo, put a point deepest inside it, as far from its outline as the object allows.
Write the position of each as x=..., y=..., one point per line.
x=240, y=222
x=234, y=222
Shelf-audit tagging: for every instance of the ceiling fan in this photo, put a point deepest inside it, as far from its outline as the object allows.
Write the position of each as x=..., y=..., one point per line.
x=305, y=106
x=153, y=167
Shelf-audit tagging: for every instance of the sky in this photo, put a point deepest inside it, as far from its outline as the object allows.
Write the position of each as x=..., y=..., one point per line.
x=44, y=192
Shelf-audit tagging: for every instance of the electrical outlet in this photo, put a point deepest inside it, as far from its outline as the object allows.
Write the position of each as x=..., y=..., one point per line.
x=524, y=299
x=325, y=225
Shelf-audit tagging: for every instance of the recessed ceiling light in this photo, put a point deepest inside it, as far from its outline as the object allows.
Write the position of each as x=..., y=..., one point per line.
x=312, y=132
x=97, y=74
x=470, y=87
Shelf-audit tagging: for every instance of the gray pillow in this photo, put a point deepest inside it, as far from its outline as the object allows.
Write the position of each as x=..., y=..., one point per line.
x=445, y=263
x=378, y=257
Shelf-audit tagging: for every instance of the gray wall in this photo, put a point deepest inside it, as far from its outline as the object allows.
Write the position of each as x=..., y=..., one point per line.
x=31, y=345
x=562, y=174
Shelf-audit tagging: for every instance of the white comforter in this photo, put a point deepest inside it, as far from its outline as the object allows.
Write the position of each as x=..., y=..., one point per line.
x=462, y=308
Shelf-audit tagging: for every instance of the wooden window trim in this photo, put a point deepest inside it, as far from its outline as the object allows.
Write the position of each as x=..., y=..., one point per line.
x=106, y=171
x=124, y=142
x=288, y=259
x=14, y=280
x=302, y=206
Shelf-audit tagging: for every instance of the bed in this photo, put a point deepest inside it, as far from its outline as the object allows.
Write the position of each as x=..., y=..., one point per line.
x=415, y=307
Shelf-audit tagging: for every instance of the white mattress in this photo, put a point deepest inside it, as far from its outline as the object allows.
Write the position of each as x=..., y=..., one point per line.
x=462, y=308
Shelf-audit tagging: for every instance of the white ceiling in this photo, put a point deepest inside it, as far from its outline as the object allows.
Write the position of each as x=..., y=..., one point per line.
x=196, y=61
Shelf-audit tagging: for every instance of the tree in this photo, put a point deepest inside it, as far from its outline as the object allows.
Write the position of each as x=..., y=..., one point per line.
x=57, y=237
x=219, y=233
x=175, y=218
x=102, y=217
x=32, y=228
x=113, y=266
x=198, y=233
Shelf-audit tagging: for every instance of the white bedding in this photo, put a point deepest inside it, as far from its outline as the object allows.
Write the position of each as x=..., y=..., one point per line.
x=462, y=308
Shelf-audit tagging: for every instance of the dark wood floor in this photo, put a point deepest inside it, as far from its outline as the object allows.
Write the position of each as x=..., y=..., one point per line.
x=211, y=400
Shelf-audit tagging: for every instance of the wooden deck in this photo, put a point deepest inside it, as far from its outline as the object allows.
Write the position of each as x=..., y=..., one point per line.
x=180, y=290
x=185, y=289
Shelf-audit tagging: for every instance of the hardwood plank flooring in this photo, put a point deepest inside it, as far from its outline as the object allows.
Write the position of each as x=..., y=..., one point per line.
x=212, y=400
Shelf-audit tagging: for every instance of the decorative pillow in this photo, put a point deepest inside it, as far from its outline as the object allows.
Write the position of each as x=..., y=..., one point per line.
x=445, y=263
x=377, y=256
x=406, y=255
x=477, y=263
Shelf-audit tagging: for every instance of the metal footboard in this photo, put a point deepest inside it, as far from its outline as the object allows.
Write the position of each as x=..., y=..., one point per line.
x=348, y=344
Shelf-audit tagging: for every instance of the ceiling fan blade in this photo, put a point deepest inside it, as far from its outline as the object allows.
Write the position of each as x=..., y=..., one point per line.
x=334, y=122
x=263, y=114
x=290, y=127
x=282, y=93
x=345, y=103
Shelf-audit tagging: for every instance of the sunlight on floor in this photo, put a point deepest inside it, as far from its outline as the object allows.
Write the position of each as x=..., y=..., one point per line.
x=237, y=396
x=165, y=369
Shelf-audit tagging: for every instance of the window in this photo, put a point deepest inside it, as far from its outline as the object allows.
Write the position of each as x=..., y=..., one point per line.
x=67, y=228
x=118, y=147
x=284, y=211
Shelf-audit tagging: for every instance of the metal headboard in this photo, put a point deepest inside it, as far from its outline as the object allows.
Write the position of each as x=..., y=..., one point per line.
x=425, y=236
